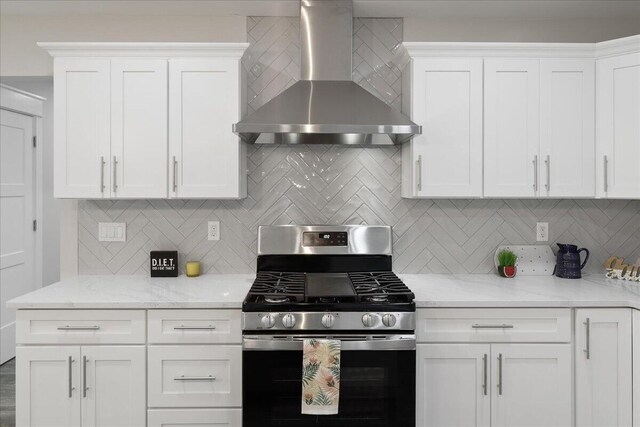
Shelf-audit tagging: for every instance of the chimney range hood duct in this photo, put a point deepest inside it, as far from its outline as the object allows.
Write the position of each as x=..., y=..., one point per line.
x=326, y=106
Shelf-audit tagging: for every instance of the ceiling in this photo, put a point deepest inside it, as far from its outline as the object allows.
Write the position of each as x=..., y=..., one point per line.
x=434, y=9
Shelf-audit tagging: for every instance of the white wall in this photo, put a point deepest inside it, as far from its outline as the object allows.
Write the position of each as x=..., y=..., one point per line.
x=518, y=30
x=19, y=33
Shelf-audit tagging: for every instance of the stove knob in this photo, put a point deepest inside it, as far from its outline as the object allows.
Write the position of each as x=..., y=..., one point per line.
x=268, y=321
x=368, y=320
x=289, y=320
x=328, y=320
x=389, y=319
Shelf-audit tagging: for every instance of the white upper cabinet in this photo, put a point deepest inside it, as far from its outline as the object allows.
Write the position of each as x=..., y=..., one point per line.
x=81, y=127
x=618, y=127
x=207, y=158
x=138, y=128
x=446, y=99
x=567, y=140
x=120, y=108
x=511, y=127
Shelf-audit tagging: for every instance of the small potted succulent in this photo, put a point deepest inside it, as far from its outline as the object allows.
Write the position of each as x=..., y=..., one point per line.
x=507, y=263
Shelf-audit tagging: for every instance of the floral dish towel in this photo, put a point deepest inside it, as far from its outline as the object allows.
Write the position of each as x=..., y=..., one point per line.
x=320, y=377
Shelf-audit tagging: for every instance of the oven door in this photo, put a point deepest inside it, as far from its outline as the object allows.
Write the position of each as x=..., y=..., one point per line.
x=377, y=381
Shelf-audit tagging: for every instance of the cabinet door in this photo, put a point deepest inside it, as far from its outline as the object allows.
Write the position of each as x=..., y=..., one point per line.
x=532, y=385
x=511, y=119
x=447, y=102
x=603, y=367
x=81, y=128
x=567, y=135
x=636, y=368
x=453, y=385
x=618, y=127
x=113, y=386
x=48, y=386
x=206, y=157
x=139, y=128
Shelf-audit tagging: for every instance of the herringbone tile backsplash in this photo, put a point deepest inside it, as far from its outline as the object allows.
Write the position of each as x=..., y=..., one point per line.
x=334, y=185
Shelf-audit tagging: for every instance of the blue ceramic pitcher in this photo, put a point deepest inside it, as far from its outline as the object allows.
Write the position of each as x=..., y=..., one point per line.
x=568, y=264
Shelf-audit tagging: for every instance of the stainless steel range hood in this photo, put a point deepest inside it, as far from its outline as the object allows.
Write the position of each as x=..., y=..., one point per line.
x=326, y=106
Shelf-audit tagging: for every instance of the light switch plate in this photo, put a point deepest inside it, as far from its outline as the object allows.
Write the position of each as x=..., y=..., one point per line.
x=112, y=231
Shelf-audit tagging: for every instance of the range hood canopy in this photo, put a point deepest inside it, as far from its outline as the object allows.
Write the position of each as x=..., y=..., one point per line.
x=326, y=106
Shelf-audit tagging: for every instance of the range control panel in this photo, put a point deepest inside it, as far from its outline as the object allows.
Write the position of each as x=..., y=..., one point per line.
x=327, y=238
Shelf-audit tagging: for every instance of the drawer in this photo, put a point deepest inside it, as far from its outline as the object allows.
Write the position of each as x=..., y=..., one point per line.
x=194, y=417
x=195, y=326
x=195, y=376
x=494, y=325
x=80, y=326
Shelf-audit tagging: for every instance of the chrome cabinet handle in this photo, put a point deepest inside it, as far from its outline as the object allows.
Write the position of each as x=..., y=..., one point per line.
x=70, y=377
x=484, y=374
x=195, y=328
x=587, y=349
x=502, y=326
x=84, y=376
x=419, y=173
x=535, y=173
x=606, y=174
x=115, y=174
x=183, y=378
x=102, y=174
x=175, y=175
x=500, y=374
x=78, y=328
x=548, y=164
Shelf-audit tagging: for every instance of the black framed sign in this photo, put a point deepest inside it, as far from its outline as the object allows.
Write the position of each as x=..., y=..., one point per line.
x=163, y=263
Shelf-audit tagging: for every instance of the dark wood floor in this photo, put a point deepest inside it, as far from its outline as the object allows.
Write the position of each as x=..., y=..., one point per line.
x=8, y=394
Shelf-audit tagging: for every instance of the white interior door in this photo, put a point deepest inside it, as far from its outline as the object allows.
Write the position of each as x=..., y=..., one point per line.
x=139, y=128
x=603, y=367
x=511, y=127
x=531, y=385
x=113, y=386
x=618, y=127
x=453, y=385
x=17, y=238
x=567, y=134
x=636, y=368
x=447, y=102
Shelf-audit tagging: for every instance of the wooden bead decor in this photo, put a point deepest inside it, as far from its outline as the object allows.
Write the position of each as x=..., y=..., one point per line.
x=616, y=269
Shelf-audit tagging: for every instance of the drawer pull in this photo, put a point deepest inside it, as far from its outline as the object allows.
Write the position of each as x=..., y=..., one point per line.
x=503, y=326
x=78, y=328
x=183, y=378
x=194, y=328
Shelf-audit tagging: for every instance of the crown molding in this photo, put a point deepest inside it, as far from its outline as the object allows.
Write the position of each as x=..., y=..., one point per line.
x=146, y=49
x=516, y=50
x=618, y=46
x=20, y=101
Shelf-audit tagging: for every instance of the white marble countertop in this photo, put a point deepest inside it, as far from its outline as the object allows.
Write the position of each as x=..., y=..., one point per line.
x=431, y=290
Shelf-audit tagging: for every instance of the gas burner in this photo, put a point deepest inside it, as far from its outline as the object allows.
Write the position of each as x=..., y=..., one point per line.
x=376, y=298
x=276, y=299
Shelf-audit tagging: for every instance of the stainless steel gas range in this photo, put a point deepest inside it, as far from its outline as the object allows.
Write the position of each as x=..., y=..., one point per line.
x=328, y=282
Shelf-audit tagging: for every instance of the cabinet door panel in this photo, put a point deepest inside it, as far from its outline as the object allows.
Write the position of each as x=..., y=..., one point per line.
x=603, y=367
x=531, y=385
x=115, y=386
x=567, y=140
x=81, y=128
x=48, y=386
x=453, y=385
x=511, y=108
x=205, y=155
x=139, y=128
x=447, y=102
x=618, y=127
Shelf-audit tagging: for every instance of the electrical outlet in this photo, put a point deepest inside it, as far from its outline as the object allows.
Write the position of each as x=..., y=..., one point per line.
x=213, y=230
x=112, y=232
x=542, y=232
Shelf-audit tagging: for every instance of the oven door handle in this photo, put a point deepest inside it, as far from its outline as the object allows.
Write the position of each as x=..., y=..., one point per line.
x=347, y=343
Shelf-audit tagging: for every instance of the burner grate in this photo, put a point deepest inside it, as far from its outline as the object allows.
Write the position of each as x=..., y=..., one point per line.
x=380, y=287
x=278, y=287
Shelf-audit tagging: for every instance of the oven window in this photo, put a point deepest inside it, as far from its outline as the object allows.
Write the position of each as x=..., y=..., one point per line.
x=377, y=388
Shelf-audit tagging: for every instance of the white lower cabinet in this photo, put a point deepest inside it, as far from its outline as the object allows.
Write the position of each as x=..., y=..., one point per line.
x=531, y=385
x=90, y=386
x=194, y=417
x=453, y=385
x=603, y=357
